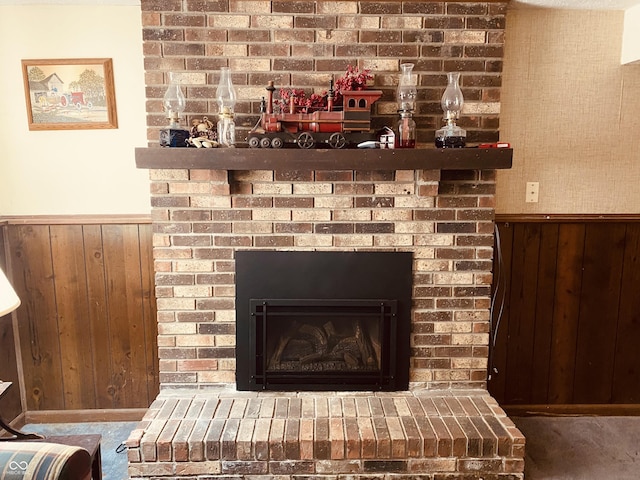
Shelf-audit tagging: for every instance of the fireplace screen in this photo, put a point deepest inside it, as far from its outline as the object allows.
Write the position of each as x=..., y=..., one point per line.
x=337, y=342
x=323, y=320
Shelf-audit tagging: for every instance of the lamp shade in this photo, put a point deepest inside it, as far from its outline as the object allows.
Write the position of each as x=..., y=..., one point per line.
x=9, y=300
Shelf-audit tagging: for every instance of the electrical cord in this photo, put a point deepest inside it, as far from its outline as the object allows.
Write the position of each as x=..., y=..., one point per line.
x=495, y=319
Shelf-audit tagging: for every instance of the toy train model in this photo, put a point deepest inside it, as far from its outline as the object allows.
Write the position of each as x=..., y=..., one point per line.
x=335, y=126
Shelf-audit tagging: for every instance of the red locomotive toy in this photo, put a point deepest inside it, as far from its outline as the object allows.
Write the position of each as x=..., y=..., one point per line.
x=335, y=126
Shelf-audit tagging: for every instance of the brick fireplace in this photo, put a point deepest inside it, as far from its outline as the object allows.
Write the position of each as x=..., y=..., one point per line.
x=207, y=206
x=202, y=424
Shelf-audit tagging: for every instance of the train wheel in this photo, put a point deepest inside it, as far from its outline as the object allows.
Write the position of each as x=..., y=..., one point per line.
x=265, y=142
x=305, y=140
x=254, y=142
x=337, y=140
x=276, y=142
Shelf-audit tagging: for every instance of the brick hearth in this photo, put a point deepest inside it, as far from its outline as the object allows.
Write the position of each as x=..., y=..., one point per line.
x=418, y=434
x=445, y=426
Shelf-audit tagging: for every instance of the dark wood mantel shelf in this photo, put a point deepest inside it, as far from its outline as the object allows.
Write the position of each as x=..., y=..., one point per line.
x=316, y=159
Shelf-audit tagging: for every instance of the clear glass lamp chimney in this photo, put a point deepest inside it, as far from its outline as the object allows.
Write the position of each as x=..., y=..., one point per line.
x=407, y=91
x=174, y=101
x=226, y=97
x=226, y=94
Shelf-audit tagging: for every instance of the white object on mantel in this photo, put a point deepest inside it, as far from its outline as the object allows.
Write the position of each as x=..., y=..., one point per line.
x=9, y=300
x=579, y=4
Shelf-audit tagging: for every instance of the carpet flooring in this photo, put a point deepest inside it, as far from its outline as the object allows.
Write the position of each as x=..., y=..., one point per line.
x=114, y=464
x=558, y=448
x=581, y=448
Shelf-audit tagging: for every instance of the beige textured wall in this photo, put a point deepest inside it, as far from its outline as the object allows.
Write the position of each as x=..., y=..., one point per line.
x=570, y=110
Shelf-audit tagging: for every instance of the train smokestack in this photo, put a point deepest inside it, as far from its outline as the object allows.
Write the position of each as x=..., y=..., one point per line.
x=330, y=97
x=270, y=89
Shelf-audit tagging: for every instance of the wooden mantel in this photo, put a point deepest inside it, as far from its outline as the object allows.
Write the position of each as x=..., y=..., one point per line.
x=321, y=159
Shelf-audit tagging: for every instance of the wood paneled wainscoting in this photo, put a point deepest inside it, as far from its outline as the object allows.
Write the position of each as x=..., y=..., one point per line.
x=567, y=313
x=87, y=325
x=567, y=310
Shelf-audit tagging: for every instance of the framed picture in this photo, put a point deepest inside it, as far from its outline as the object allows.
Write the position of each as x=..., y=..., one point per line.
x=70, y=94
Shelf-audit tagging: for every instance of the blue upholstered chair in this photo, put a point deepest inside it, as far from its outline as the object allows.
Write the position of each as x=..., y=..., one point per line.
x=43, y=461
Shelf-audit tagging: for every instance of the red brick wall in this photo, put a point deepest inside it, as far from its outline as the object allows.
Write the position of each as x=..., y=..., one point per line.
x=304, y=44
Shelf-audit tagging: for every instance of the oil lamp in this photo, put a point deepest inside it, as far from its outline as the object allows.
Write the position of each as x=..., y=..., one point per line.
x=406, y=98
x=451, y=135
x=226, y=97
x=174, y=103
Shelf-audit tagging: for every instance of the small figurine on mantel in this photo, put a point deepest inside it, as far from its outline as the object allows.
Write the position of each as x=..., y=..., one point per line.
x=202, y=134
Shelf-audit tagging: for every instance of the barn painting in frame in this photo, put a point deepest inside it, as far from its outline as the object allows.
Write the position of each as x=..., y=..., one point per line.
x=70, y=94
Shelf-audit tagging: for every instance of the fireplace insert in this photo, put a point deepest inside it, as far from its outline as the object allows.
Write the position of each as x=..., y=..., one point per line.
x=323, y=320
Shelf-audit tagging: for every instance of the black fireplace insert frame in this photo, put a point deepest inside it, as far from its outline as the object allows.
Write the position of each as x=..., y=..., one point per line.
x=325, y=279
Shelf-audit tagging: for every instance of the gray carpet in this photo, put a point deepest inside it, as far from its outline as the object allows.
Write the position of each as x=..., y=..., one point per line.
x=114, y=465
x=581, y=448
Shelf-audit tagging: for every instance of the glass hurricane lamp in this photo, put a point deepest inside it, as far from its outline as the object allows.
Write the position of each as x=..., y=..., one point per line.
x=451, y=135
x=174, y=102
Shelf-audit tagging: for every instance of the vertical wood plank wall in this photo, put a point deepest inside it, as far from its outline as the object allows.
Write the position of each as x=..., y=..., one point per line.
x=569, y=318
x=568, y=307
x=87, y=324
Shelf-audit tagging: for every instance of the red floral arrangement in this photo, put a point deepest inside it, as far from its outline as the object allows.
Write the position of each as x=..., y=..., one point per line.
x=353, y=79
x=300, y=100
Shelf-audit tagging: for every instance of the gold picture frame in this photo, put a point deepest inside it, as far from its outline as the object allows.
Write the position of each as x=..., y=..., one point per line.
x=70, y=94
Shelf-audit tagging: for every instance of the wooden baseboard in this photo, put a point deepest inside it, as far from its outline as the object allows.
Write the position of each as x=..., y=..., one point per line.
x=572, y=410
x=97, y=219
x=566, y=218
x=80, y=416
